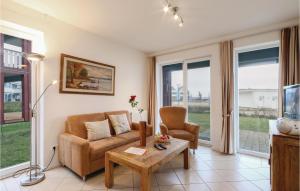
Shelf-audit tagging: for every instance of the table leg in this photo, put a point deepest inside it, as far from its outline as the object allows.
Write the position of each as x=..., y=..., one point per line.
x=186, y=158
x=109, y=172
x=146, y=180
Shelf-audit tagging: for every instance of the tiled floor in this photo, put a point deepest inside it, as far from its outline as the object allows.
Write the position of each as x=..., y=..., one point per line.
x=209, y=171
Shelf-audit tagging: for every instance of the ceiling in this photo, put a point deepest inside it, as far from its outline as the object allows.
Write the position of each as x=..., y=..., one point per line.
x=142, y=24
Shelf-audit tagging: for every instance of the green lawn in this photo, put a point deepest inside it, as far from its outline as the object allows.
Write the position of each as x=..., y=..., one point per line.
x=14, y=144
x=259, y=124
x=12, y=107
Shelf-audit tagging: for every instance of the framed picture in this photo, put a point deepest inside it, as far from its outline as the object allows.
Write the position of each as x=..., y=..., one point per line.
x=82, y=76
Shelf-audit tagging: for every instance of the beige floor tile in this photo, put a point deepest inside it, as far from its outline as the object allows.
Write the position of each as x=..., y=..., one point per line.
x=2, y=187
x=230, y=175
x=210, y=176
x=172, y=188
x=189, y=177
x=263, y=184
x=60, y=172
x=251, y=174
x=196, y=187
x=48, y=184
x=220, y=186
x=13, y=184
x=94, y=182
x=264, y=171
x=123, y=181
x=226, y=165
x=73, y=184
x=121, y=189
x=244, y=186
x=167, y=179
x=137, y=180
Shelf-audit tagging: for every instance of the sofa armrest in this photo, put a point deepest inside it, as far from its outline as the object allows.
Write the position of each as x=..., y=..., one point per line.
x=192, y=128
x=163, y=129
x=74, y=153
x=149, y=128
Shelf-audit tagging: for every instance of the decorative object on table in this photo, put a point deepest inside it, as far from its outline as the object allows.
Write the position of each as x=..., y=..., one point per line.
x=82, y=76
x=143, y=124
x=164, y=139
x=134, y=104
x=35, y=173
x=143, y=133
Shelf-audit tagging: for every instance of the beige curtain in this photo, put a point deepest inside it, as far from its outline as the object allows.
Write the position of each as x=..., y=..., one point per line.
x=289, y=62
x=152, y=92
x=226, y=58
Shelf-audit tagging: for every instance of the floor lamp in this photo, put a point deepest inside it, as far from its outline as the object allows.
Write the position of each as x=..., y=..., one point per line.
x=35, y=173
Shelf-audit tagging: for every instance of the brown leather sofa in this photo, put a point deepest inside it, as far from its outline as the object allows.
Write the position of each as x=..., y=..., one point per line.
x=173, y=123
x=84, y=157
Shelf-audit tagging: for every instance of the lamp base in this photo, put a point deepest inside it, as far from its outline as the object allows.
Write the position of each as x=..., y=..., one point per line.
x=35, y=178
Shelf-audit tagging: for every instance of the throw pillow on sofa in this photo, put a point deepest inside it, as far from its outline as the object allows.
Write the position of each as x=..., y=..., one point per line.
x=120, y=123
x=97, y=130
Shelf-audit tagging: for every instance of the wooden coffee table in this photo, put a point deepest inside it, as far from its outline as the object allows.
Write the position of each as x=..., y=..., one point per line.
x=147, y=163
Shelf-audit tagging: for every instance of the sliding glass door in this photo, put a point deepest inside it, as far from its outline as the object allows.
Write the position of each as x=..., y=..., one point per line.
x=257, y=97
x=15, y=89
x=198, y=85
x=187, y=84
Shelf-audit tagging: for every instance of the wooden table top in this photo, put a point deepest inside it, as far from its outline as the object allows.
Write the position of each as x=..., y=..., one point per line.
x=152, y=158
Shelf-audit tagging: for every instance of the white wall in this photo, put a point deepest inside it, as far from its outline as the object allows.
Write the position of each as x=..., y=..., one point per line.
x=212, y=51
x=131, y=71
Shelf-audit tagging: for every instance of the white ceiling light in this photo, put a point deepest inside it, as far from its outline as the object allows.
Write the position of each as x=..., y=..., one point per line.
x=174, y=11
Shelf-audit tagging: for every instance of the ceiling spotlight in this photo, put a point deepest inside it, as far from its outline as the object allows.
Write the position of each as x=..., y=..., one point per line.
x=176, y=16
x=181, y=24
x=166, y=8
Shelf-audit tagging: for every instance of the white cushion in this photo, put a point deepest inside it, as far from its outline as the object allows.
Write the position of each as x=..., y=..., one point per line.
x=97, y=130
x=120, y=123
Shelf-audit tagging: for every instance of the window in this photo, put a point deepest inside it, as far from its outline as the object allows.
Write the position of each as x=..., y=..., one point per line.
x=257, y=97
x=196, y=89
x=14, y=102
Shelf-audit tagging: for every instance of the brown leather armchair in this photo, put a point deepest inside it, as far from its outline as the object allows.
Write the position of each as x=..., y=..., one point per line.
x=173, y=124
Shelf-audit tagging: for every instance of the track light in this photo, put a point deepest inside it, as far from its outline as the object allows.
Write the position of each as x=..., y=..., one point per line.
x=176, y=16
x=167, y=8
x=174, y=12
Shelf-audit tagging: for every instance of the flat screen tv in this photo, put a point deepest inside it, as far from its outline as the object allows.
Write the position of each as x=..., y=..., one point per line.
x=291, y=102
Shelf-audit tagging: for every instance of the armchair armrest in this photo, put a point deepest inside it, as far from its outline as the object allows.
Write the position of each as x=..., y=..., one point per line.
x=74, y=153
x=192, y=128
x=149, y=128
x=163, y=129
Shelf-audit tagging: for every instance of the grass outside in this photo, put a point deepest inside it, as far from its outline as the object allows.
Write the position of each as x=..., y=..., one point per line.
x=14, y=144
x=12, y=107
x=257, y=124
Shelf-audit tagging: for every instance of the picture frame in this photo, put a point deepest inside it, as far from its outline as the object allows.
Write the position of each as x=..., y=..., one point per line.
x=83, y=76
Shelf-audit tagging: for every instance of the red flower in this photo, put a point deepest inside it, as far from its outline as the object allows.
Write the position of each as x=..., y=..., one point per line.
x=132, y=98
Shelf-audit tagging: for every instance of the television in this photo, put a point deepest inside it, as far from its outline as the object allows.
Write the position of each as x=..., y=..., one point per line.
x=291, y=102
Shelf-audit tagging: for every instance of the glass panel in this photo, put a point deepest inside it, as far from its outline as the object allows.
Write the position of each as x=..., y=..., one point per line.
x=177, y=88
x=199, y=96
x=15, y=122
x=258, y=103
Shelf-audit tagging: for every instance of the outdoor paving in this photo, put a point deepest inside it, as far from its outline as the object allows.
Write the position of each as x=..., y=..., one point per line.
x=254, y=141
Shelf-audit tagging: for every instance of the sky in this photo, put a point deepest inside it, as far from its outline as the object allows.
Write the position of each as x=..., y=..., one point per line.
x=250, y=77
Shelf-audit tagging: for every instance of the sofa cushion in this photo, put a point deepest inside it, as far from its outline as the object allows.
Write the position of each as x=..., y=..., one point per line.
x=112, y=131
x=98, y=148
x=97, y=130
x=75, y=124
x=120, y=123
x=182, y=134
x=130, y=136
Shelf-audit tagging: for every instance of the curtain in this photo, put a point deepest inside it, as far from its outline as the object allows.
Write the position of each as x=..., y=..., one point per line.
x=152, y=92
x=226, y=58
x=289, y=62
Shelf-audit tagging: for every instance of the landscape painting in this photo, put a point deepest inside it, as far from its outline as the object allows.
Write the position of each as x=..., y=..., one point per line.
x=83, y=76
